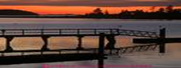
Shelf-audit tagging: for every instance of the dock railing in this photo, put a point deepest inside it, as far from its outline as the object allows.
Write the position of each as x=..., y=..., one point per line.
x=73, y=32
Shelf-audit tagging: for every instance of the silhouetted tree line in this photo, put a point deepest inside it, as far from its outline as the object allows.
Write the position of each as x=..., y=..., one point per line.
x=163, y=13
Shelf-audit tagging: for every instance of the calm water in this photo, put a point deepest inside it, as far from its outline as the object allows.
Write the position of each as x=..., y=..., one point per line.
x=172, y=59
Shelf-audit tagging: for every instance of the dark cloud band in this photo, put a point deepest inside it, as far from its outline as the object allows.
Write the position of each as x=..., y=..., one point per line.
x=107, y=3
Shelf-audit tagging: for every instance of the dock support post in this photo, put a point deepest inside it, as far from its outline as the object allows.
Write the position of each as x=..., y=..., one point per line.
x=101, y=50
x=8, y=44
x=45, y=46
x=111, y=44
x=80, y=43
x=161, y=41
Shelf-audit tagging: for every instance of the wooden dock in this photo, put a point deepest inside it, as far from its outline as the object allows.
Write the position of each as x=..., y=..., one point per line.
x=80, y=52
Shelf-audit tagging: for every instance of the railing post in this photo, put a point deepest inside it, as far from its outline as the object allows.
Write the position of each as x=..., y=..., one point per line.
x=95, y=31
x=23, y=32
x=101, y=50
x=60, y=31
x=117, y=30
x=3, y=32
x=42, y=31
x=111, y=31
x=78, y=31
x=161, y=41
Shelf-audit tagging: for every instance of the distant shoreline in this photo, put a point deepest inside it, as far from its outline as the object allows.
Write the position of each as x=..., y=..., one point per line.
x=96, y=18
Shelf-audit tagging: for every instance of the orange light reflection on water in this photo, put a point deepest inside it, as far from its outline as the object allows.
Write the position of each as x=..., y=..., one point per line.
x=35, y=43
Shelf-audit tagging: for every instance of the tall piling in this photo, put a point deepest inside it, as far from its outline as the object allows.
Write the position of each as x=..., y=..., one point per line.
x=101, y=50
x=162, y=40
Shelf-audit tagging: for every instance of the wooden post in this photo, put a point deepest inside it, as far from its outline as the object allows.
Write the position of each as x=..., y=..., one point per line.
x=45, y=46
x=101, y=50
x=162, y=40
x=80, y=43
x=8, y=45
x=111, y=44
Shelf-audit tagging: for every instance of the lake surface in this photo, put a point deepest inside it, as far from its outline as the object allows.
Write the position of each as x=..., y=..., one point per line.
x=171, y=59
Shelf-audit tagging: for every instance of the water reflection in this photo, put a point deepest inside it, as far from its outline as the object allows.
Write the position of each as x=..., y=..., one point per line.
x=36, y=43
x=169, y=60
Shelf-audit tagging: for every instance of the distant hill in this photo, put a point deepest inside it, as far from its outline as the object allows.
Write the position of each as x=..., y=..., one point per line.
x=16, y=13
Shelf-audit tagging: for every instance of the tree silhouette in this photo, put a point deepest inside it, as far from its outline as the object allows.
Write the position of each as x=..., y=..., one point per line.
x=169, y=9
x=106, y=12
x=152, y=8
x=167, y=12
x=98, y=11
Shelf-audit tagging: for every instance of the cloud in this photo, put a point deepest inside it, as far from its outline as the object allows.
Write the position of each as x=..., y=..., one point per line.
x=107, y=3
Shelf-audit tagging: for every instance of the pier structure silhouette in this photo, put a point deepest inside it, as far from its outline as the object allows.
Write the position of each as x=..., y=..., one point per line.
x=157, y=39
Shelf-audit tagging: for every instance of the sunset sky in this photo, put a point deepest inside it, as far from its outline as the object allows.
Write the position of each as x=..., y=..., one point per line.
x=83, y=6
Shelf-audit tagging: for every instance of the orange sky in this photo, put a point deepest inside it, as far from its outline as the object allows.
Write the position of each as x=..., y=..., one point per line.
x=72, y=9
